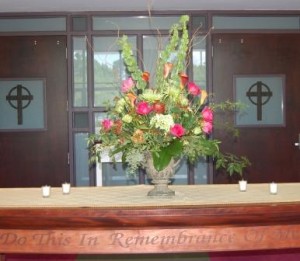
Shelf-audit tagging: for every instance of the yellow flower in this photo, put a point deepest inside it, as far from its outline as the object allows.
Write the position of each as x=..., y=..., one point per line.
x=203, y=96
x=127, y=118
x=184, y=101
x=197, y=130
x=120, y=105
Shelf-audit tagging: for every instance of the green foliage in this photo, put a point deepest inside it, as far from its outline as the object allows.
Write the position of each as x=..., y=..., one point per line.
x=131, y=64
x=232, y=163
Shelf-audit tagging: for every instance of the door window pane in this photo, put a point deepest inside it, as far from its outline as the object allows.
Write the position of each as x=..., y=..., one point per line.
x=199, y=61
x=201, y=169
x=109, y=69
x=152, y=45
x=81, y=159
x=199, y=77
x=79, y=72
x=115, y=175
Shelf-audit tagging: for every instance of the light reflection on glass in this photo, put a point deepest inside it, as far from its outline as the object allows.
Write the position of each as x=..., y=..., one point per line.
x=109, y=69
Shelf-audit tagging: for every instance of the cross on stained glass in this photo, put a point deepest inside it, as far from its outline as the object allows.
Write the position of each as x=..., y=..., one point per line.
x=19, y=98
x=259, y=94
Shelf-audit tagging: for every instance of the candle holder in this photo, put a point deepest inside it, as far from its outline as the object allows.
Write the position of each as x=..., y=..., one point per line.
x=46, y=191
x=66, y=187
x=273, y=188
x=243, y=185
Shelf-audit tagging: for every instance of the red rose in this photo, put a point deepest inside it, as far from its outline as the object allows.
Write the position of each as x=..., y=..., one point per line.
x=193, y=89
x=207, y=127
x=177, y=130
x=207, y=114
x=143, y=108
x=107, y=124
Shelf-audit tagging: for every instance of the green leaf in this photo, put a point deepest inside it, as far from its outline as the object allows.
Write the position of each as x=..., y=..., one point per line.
x=162, y=158
x=175, y=148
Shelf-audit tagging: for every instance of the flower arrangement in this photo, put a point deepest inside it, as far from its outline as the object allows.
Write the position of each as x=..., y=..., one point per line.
x=171, y=119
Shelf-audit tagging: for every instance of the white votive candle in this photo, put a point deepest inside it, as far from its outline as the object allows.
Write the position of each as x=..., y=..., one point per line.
x=46, y=191
x=66, y=188
x=273, y=188
x=243, y=185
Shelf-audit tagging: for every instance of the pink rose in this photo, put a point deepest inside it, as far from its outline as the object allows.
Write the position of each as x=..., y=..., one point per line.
x=193, y=89
x=207, y=114
x=177, y=130
x=207, y=127
x=143, y=108
x=107, y=124
x=127, y=85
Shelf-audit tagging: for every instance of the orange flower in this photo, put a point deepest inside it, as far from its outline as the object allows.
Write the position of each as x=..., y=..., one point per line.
x=167, y=69
x=146, y=76
x=184, y=79
x=118, y=127
x=131, y=97
x=138, y=136
x=159, y=107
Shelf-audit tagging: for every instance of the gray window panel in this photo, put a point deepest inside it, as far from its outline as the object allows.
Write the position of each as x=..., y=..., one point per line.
x=134, y=23
x=79, y=23
x=81, y=120
x=257, y=22
x=33, y=24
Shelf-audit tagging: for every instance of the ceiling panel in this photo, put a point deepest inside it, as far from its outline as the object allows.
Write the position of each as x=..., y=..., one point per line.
x=143, y=5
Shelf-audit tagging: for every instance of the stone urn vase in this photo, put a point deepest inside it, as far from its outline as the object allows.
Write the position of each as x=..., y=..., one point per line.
x=160, y=179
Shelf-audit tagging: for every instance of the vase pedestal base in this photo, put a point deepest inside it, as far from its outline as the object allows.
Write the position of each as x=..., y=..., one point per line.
x=161, y=190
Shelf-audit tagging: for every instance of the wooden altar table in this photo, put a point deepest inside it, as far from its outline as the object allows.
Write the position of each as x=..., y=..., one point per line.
x=115, y=220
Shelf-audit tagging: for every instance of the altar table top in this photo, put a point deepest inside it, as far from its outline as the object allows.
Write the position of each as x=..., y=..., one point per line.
x=136, y=196
x=111, y=220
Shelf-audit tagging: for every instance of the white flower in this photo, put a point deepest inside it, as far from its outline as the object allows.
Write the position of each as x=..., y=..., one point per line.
x=135, y=159
x=163, y=122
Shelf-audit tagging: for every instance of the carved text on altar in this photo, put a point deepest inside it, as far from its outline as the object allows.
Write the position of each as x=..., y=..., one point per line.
x=87, y=240
x=135, y=239
x=45, y=238
x=182, y=238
